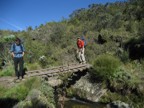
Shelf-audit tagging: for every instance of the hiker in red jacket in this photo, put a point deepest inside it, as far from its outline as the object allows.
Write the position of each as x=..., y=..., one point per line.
x=80, y=45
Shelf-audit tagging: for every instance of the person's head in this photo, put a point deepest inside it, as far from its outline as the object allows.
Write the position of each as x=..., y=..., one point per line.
x=78, y=38
x=17, y=41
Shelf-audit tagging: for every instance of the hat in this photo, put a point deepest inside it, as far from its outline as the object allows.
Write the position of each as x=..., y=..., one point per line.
x=78, y=37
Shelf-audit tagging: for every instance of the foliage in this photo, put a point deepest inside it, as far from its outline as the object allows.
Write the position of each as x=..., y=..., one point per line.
x=7, y=71
x=105, y=66
x=33, y=66
x=123, y=55
x=47, y=91
x=2, y=91
x=57, y=40
x=18, y=92
x=34, y=99
x=119, y=24
x=131, y=99
x=22, y=90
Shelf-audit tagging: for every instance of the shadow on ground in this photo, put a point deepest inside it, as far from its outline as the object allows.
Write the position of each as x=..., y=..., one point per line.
x=7, y=102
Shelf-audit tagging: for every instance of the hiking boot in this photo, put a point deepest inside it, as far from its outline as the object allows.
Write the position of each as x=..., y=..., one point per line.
x=23, y=79
x=84, y=62
x=17, y=78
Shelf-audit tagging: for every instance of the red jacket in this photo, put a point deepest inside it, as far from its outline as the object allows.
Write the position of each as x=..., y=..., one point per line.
x=80, y=43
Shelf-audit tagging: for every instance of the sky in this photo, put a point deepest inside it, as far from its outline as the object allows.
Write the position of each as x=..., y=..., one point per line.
x=20, y=14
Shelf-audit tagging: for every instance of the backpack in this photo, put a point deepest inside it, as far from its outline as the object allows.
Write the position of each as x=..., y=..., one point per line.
x=83, y=39
x=20, y=47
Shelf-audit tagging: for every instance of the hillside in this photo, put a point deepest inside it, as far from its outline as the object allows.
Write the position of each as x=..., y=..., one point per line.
x=114, y=33
x=105, y=27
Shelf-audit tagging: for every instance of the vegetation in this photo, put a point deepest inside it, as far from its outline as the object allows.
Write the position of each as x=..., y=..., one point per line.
x=105, y=66
x=27, y=91
x=133, y=100
x=114, y=33
x=8, y=71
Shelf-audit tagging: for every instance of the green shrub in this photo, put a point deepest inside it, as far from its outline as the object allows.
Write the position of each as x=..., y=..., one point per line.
x=8, y=71
x=33, y=66
x=131, y=99
x=123, y=55
x=21, y=90
x=2, y=91
x=33, y=82
x=105, y=66
x=39, y=94
x=47, y=91
x=18, y=92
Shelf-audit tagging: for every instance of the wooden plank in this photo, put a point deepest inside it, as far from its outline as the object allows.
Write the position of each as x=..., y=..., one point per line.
x=66, y=67
x=50, y=72
x=51, y=68
x=78, y=67
x=44, y=73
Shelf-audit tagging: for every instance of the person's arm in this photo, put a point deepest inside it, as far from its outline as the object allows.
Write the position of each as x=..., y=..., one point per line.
x=23, y=54
x=12, y=51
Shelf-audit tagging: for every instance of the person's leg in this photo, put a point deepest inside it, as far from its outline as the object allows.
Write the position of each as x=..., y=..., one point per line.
x=79, y=55
x=21, y=62
x=82, y=55
x=16, y=67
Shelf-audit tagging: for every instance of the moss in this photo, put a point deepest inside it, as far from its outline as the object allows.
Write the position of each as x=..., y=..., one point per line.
x=73, y=92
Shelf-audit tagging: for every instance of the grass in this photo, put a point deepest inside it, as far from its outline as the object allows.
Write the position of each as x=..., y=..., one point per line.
x=131, y=99
x=20, y=91
x=8, y=71
x=105, y=66
x=2, y=91
x=127, y=78
x=33, y=66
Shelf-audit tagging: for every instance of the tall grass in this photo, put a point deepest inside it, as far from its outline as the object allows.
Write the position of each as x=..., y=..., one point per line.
x=8, y=71
x=105, y=66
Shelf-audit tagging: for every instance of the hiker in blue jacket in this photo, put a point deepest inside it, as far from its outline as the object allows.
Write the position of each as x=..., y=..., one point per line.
x=17, y=51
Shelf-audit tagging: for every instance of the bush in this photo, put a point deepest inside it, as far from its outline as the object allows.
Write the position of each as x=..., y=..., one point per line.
x=48, y=92
x=19, y=92
x=40, y=95
x=8, y=71
x=33, y=66
x=105, y=66
x=2, y=91
x=123, y=55
x=22, y=90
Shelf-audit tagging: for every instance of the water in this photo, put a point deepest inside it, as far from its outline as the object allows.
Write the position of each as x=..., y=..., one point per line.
x=80, y=104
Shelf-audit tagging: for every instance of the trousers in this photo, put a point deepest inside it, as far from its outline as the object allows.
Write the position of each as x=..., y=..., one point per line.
x=18, y=65
x=81, y=55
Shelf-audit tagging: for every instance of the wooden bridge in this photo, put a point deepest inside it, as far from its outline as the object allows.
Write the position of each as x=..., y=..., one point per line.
x=48, y=72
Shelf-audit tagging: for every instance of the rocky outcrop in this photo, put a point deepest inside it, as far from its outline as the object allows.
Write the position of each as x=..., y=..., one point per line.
x=118, y=104
x=86, y=90
x=35, y=99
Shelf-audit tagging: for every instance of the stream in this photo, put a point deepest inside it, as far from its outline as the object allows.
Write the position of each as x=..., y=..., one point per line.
x=74, y=103
x=64, y=102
